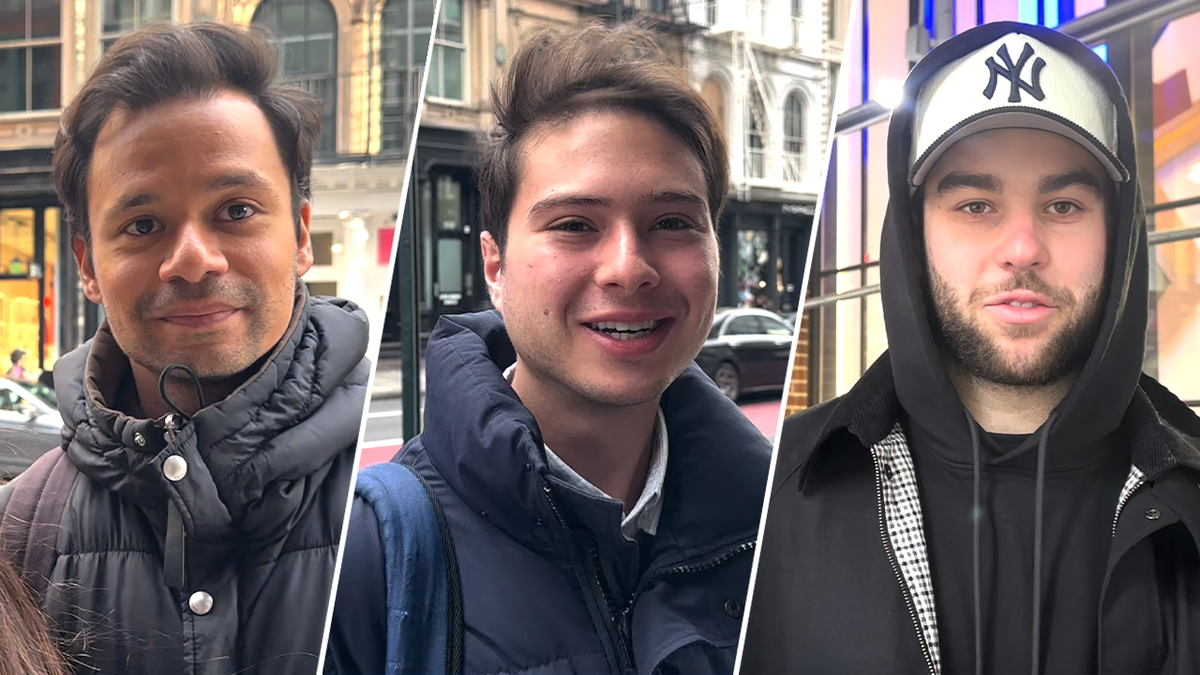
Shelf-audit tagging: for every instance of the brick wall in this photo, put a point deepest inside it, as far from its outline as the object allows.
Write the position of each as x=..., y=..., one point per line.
x=797, y=398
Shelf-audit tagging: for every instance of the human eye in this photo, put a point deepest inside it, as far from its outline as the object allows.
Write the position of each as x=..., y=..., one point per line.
x=141, y=227
x=237, y=211
x=571, y=226
x=675, y=224
x=976, y=208
x=1065, y=208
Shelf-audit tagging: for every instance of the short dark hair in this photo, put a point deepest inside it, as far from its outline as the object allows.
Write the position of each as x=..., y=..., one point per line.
x=170, y=61
x=560, y=75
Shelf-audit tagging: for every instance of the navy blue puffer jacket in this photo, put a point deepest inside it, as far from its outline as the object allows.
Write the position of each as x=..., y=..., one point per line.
x=549, y=585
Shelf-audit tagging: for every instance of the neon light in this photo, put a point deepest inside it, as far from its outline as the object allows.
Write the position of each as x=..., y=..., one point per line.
x=1102, y=50
x=1050, y=11
x=1027, y=11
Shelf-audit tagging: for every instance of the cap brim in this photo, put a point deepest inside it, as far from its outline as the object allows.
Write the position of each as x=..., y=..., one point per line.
x=1016, y=118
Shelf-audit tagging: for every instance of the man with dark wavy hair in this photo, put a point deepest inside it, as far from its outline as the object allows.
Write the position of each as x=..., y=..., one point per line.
x=601, y=495
x=190, y=521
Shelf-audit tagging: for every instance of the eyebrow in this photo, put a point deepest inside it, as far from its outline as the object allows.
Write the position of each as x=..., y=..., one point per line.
x=251, y=179
x=957, y=180
x=659, y=197
x=1076, y=178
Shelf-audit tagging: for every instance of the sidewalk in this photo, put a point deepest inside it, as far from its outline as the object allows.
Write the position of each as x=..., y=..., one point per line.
x=389, y=379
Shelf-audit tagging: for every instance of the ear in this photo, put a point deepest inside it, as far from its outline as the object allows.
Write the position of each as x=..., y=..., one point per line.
x=304, y=252
x=87, y=273
x=493, y=269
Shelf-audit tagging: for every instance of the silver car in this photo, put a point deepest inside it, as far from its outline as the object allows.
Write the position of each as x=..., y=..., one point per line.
x=29, y=425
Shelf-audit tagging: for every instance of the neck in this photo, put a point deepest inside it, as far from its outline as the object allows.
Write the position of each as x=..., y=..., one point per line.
x=609, y=446
x=181, y=391
x=1002, y=409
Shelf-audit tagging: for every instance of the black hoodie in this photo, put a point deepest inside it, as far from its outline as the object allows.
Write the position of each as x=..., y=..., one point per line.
x=1086, y=463
x=867, y=561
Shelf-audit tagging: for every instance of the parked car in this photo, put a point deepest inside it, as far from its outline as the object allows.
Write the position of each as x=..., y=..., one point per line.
x=29, y=425
x=747, y=350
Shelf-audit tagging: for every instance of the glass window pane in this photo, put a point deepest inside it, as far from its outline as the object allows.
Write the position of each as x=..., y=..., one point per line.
x=119, y=16
x=744, y=325
x=320, y=55
x=46, y=71
x=452, y=83
x=395, y=15
x=12, y=19
x=450, y=272
x=1171, y=343
x=46, y=19
x=155, y=10
x=449, y=204
x=450, y=25
x=434, y=85
x=12, y=80
x=420, y=47
x=423, y=13
x=1176, y=104
x=51, y=276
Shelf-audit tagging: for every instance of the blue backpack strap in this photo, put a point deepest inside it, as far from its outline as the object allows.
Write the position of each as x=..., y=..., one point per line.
x=424, y=608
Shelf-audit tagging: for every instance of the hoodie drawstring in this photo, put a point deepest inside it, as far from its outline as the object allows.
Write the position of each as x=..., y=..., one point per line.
x=1038, y=501
x=976, y=517
x=174, y=560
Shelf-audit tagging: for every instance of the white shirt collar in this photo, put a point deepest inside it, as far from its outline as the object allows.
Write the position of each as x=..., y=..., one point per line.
x=645, y=513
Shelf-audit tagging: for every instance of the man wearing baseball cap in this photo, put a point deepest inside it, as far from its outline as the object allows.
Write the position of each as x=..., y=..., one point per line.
x=1003, y=490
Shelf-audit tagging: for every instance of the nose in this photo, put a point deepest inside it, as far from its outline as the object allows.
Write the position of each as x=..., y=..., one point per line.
x=1022, y=244
x=195, y=252
x=625, y=262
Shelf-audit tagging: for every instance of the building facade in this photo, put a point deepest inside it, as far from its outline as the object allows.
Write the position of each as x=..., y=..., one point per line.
x=1148, y=46
x=776, y=166
x=362, y=57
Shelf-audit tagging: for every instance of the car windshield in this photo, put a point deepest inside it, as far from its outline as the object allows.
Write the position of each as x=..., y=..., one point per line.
x=716, y=325
x=42, y=392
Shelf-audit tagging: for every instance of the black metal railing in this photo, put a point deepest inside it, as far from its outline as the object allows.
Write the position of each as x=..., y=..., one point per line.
x=380, y=104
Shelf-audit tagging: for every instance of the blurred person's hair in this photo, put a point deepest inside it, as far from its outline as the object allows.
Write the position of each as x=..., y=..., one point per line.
x=561, y=75
x=167, y=62
x=26, y=647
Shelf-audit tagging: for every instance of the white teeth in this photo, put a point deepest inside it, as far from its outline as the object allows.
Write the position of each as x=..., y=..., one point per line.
x=1023, y=305
x=623, y=330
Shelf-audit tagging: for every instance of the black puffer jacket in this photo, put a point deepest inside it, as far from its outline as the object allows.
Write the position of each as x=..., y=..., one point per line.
x=549, y=584
x=261, y=505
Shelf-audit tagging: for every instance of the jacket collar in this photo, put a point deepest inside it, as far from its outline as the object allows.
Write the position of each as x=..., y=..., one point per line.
x=1163, y=433
x=286, y=423
x=488, y=448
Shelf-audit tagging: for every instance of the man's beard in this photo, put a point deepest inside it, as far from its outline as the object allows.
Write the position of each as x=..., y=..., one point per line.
x=1063, y=353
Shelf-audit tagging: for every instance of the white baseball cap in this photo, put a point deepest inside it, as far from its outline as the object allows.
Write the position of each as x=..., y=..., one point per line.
x=1016, y=81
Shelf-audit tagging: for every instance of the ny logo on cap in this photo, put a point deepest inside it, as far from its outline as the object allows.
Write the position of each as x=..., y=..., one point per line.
x=1012, y=73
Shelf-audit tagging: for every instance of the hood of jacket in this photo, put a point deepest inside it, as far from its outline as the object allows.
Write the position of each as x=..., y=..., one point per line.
x=1096, y=403
x=255, y=458
x=488, y=448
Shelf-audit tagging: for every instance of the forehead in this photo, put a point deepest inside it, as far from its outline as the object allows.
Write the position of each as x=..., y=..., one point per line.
x=180, y=140
x=1018, y=155
x=617, y=155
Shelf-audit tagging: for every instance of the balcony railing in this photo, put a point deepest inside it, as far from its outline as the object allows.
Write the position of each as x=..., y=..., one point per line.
x=756, y=164
x=793, y=167
x=373, y=111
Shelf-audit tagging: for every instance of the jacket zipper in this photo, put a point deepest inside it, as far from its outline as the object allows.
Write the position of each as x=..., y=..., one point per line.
x=891, y=553
x=720, y=559
x=599, y=589
x=1121, y=504
x=172, y=427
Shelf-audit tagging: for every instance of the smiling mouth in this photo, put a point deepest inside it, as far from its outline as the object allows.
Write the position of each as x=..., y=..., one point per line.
x=626, y=331
x=1023, y=305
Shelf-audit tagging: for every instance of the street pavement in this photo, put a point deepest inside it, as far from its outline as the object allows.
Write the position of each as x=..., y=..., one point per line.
x=383, y=436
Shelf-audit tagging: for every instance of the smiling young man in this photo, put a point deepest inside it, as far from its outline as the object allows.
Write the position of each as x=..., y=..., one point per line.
x=1002, y=491
x=191, y=520
x=601, y=495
